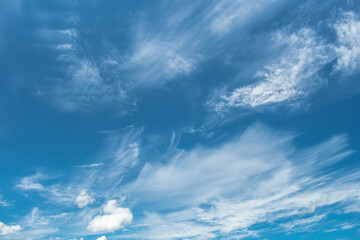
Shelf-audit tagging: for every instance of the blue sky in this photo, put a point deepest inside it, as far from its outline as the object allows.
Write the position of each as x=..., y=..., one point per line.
x=179, y=119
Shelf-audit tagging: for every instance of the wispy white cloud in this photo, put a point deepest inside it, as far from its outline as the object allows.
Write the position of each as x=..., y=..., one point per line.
x=160, y=55
x=101, y=181
x=225, y=16
x=114, y=218
x=3, y=203
x=186, y=36
x=91, y=165
x=348, y=45
x=86, y=86
x=71, y=32
x=35, y=218
x=85, y=81
x=342, y=227
x=38, y=224
x=160, y=61
x=293, y=75
x=64, y=47
x=157, y=181
x=263, y=178
x=347, y=226
x=306, y=223
x=290, y=79
x=31, y=182
x=55, y=193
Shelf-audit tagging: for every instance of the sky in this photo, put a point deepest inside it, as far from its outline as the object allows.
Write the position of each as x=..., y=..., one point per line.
x=183, y=119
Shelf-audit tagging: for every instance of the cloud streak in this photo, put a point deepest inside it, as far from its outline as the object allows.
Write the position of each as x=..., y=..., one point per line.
x=263, y=178
x=257, y=177
x=291, y=79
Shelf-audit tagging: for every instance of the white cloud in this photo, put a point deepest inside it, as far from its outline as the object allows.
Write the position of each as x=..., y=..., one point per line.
x=186, y=35
x=170, y=50
x=290, y=79
x=31, y=182
x=263, y=178
x=135, y=149
x=86, y=86
x=64, y=47
x=348, y=46
x=55, y=193
x=306, y=222
x=41, y=224
x=161, y=60
x=113, y=218
x=83, y=199
x=35, y=218
x=70, y=32
x=228, y=15
x=186, y=171
x=103, y=177
x=86, y=81
x=347, y=226
x=102, y=238
x=259, y=177
x=120, y=156
x=8, y=229
x=91, y=165
x=3, y=203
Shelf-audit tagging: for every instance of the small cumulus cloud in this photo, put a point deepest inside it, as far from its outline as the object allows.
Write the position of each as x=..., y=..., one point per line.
x=114, y=218
x=83, y=199
x=8, y=229
x=102, y=238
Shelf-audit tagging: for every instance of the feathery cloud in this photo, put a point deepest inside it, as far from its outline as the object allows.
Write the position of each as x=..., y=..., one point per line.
x=292, y=78
x=31, y=182
x=348, y=45
x=263, y=178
